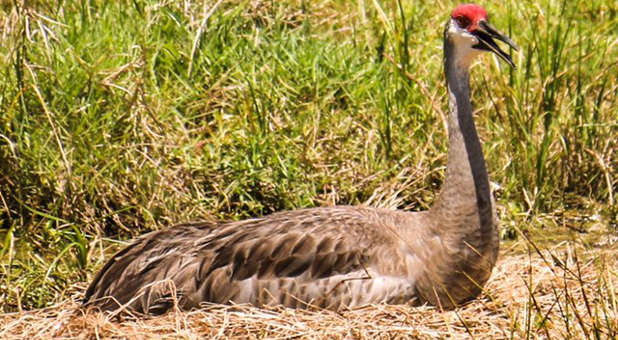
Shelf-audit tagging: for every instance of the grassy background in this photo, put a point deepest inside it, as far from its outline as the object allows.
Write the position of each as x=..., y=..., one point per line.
x=120, y=117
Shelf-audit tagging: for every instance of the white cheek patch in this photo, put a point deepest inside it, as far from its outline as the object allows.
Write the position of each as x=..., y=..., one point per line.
x=463, y=42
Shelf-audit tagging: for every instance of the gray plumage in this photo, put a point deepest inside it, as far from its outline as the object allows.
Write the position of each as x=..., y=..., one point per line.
x=337, y=257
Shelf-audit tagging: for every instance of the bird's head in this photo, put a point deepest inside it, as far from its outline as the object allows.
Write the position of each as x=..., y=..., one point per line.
x=469, y=31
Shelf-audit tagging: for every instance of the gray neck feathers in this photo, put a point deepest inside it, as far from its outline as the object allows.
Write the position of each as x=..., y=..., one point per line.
x=465, y=202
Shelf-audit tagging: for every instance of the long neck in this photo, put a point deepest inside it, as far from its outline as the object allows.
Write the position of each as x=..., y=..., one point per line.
x=462, y=217
x=465, y=202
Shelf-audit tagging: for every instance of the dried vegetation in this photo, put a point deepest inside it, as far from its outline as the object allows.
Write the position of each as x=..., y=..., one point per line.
x=562, y=292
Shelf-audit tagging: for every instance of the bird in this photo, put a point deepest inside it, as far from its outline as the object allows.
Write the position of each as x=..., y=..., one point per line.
x=338, y=257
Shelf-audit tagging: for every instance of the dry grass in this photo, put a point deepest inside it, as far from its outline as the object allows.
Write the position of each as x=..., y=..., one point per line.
x=566, y=291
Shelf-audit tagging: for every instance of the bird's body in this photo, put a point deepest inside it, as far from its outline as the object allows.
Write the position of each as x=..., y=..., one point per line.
x=335, y=257
x=327, y=257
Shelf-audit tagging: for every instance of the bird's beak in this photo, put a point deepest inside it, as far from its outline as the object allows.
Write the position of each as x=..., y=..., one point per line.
x=485, y=33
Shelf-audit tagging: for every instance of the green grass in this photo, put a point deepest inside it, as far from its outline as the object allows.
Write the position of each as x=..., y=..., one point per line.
x=122, y=117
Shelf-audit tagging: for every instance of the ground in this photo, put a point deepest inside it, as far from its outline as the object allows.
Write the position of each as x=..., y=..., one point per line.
x=564, y=291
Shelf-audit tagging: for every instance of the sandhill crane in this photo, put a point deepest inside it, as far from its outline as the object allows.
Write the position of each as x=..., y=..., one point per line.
x=335, y=257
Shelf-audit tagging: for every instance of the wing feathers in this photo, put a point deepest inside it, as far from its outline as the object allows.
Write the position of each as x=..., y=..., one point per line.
x=293, y=265
x=300, y=256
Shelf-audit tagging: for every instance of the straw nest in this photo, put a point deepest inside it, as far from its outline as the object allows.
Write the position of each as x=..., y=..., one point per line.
x=565, y=291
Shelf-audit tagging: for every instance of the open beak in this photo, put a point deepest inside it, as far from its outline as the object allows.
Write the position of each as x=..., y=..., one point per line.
x=486, y=33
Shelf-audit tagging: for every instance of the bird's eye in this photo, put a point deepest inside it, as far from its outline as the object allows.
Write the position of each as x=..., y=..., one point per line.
x=462, y=21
